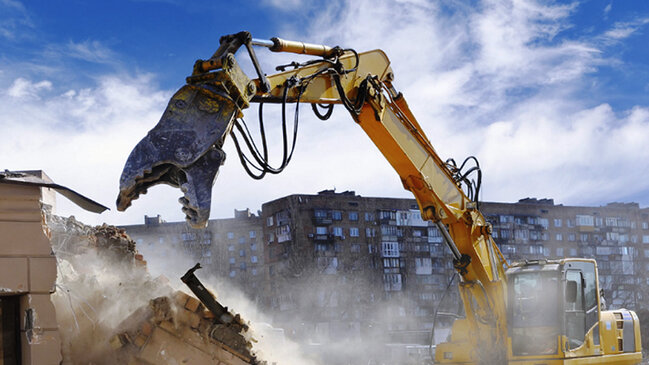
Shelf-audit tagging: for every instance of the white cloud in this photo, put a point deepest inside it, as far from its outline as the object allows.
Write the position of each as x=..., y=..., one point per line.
x=496, y=80
x=24, y=88
x=284, y=5
x=14, y=19
x=89, y=50
x=81, y=138
x=622, y=30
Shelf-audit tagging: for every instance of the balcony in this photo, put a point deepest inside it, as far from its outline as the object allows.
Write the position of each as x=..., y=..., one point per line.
x=322, y=221
x=324, y=238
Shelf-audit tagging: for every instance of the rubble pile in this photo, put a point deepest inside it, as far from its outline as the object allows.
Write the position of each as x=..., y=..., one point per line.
x=178, y=330
x=111, y=311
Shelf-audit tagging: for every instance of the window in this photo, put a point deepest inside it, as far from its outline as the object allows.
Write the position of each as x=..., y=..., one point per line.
x=353, y=232
x=242, y=253
x=320, y=213
x=320, y=230
x=252, y=234
x=283, y=233
x=232, y=260
x=571, y=237
x=371, y=248
x=391, y=263
x=253, y=259
x=573, y=252
x=583, y=237
x=602, y=250
x=282, y=218
x=521, y=234
x=271, y=237
x=570, y=223
x=242, y=266
x=392, y=282
x=353, y=216
x=230, y=247
x=336, y=215
x=543, y=222
x=559, y=237
x=269, y=221
x=585, y=221
x=389, y=230
x=506, y=218
x=338, y=231
x=387, y=214
x=356, y=248
x=253, y=247
x=645, y=225
x=557, y=222
x=505, y=234
x=559, y=251
x=611, y=222
x=233, y=273
x=645, y=238
x=253, y=271
x=370, y=232
x=242, y=240
x=423, y=266
x=230, y=235
x=390, y=249
x=369, y=217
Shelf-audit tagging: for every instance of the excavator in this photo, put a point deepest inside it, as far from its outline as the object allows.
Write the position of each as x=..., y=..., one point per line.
x=535, y=312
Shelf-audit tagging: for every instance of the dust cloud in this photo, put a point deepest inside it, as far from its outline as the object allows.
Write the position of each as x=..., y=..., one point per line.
x=103, y=281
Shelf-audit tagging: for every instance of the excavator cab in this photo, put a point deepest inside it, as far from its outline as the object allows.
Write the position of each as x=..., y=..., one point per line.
x=554, y=312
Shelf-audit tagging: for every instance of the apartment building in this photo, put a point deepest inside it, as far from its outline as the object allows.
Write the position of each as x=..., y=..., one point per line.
x=228, y=248
x=331, y=265
x=616, y=235
x=346, y=264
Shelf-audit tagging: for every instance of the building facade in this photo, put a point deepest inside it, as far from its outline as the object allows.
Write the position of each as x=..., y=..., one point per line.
x=228, y=248
x=338, y=265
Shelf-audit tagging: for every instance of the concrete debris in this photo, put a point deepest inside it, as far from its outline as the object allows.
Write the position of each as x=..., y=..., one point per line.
x=111, y=311
x=172, y=330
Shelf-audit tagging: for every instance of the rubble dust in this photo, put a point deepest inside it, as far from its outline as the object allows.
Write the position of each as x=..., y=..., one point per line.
x=110, y=310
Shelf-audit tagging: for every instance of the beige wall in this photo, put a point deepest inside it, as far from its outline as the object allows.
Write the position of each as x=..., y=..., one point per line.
x=28, y=270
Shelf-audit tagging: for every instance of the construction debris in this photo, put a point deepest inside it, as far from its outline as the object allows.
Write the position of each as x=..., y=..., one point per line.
x=111, y=311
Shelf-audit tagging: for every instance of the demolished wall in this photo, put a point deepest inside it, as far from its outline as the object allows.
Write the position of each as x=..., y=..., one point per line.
x=28, y=275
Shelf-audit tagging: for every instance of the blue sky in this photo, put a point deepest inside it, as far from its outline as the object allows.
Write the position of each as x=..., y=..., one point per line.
x=552, y=97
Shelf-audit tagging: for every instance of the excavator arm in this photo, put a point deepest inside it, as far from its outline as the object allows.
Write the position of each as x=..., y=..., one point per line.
x=185, y=150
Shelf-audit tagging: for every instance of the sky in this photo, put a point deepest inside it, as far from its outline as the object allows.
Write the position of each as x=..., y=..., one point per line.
x=552, y=97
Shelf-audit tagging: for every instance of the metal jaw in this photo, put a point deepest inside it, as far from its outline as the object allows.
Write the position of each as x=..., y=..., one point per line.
x=183, y=150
